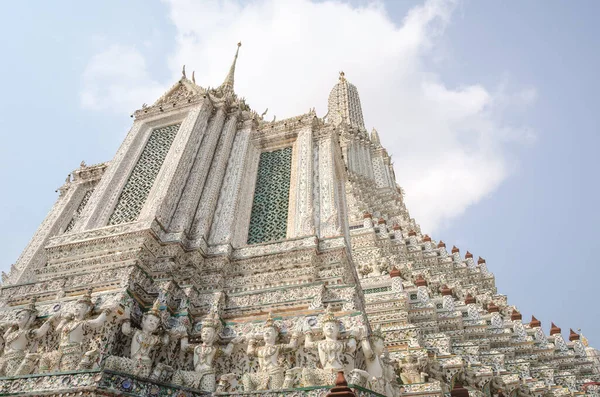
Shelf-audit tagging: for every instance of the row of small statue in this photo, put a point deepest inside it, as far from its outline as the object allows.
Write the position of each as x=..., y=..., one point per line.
x=70, y=355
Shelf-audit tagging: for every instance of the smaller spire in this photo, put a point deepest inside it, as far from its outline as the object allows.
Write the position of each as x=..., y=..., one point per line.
x=441, y=244
x=426, y=238
x=446, y=290
x=554, y=329
x=480, y=261
x=227, y=85
x=469, y=299
x=194, y=76
x=395, y=272
x=515, y=315
x=342, y=76
x=375, y=137
x=420, y=281
x=573, y=336
x=468, y=255
x=412, y=233
x=183, y=73
x=535, y=322
x=492, y=308
x=455, y=249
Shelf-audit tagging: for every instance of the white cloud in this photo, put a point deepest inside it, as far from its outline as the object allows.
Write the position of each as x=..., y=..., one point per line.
x=448, y=143
x=117, y=79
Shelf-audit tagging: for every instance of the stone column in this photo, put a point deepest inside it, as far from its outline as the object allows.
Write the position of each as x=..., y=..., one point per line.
x=208, y=201
x=224, y=220
x=301, y=221
x=328, y=203
x=184, y=214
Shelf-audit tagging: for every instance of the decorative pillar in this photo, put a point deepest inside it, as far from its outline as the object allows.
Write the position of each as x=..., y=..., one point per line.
x=422, y=291
x=447, y=299
x=470, y=262
x=396, y=277
x=367, y=220
x=208, y=201
x=224, y=220
x=442, y=249
x=329, y=223
x=184, y=214
x=496, y=319
x=301, y=212
x=472, y=309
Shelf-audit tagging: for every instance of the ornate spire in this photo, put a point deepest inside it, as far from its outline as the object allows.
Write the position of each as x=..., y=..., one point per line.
x=227, y=85
x=343, y=105
x=375, y=137
x=554, y=329
x=573, y=335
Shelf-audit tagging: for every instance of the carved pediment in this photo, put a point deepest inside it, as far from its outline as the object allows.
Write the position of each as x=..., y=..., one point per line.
x=182, y=91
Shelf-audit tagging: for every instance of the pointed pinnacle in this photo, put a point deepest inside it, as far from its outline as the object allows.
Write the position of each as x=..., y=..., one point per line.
x=230, y=79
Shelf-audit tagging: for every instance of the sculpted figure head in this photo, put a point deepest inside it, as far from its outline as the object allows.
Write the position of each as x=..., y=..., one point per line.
x=331, y=326
x=23, y=318
x=210, y=328
x=270, y=331
x=151, y=319
x=83, y=305
x=26, y=316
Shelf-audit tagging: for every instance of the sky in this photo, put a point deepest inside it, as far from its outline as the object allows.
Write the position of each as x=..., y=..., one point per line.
x=488, y=109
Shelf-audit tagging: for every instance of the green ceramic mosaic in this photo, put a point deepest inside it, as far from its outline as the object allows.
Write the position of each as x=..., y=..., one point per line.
x=144, y=173
x=268, y=221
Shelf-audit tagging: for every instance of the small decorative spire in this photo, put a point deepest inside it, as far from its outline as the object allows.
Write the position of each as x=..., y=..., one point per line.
x=515, y=315
x=573, y=336
x=455, y=249
x=469, y=299
x=341, y=388
x=458, y=390
x=381, y=220
x=375, y=137
x=468, y=255
x=535, y=322
x=554, y=329
x=395, y=272
x=412, y=233
x=446, y=291
x=342, y=76
x=480, y=261
x=426, y=238
x=183, y=72
x=420, y=281
x=441, y=244
x=194, y=76
x=492, y=308
x=227, y=85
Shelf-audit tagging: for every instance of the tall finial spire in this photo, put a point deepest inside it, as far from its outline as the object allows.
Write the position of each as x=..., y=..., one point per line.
x=229, y=80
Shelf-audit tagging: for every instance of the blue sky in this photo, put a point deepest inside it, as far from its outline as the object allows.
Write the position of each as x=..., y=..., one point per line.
x=488, y=108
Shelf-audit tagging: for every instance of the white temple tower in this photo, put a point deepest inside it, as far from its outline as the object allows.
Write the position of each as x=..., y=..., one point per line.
x=226, y=229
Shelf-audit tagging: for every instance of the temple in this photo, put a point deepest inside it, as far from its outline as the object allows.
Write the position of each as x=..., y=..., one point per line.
x=219, y=253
